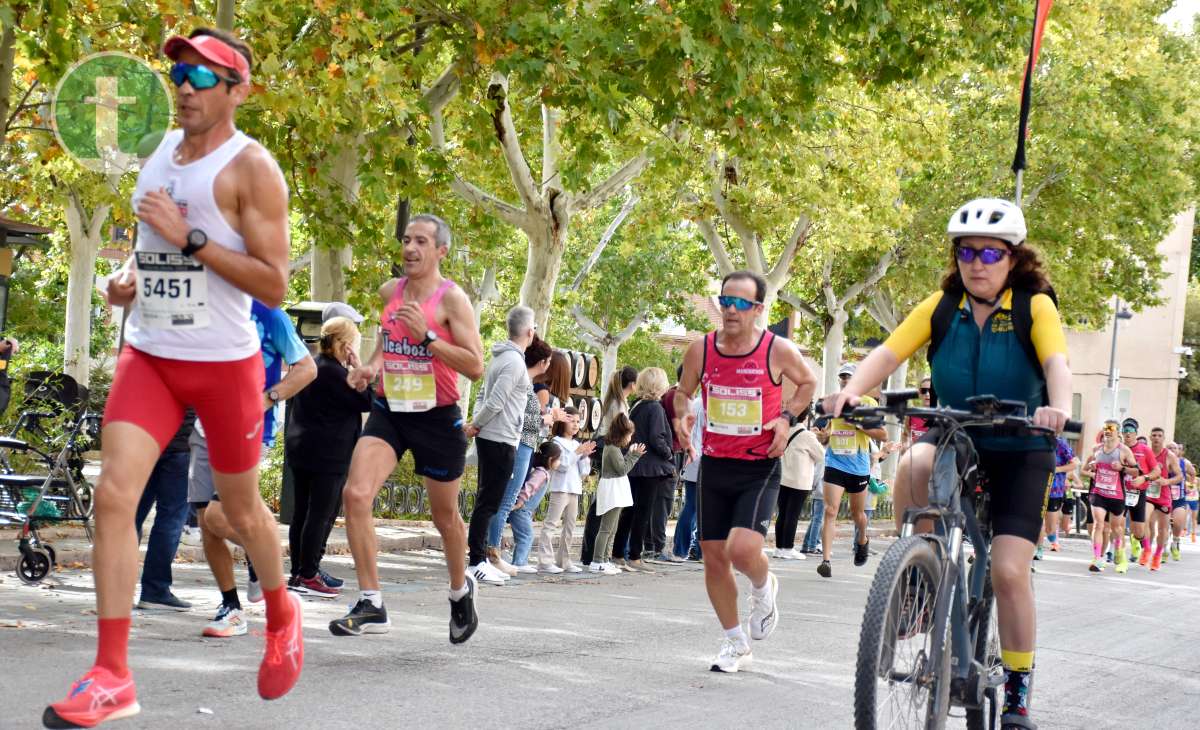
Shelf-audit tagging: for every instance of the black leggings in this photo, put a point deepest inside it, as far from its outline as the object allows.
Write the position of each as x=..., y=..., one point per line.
x=791, y=501
x=318, y=495
x=635, y=522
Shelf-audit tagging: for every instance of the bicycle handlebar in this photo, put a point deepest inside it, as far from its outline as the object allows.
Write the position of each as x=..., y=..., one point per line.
x=987, y=411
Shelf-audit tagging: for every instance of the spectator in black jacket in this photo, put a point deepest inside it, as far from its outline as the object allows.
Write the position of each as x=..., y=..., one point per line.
x=325, y=424
x=653, y=474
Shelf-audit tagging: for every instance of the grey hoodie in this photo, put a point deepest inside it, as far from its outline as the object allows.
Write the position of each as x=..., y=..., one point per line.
x=501, y=408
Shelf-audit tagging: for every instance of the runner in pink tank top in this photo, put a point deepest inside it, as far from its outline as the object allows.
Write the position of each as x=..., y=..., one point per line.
x=1109, y=459
x=740, y=370
x=428, y=338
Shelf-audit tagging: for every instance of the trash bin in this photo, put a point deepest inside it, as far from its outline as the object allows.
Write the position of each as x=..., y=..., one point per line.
x=307, y=316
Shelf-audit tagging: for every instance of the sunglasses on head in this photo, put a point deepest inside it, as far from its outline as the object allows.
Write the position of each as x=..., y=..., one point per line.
x=737, y=303
x=988, y=255
x=199, y=76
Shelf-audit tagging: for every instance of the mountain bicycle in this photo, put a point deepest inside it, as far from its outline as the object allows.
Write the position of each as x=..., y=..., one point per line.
x=929, y=638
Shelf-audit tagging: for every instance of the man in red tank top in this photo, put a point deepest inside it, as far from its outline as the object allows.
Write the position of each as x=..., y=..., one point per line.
x=1158, y=494
x=740, y=369
x=428, y=338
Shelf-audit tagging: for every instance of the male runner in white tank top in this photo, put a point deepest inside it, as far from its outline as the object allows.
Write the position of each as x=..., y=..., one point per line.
x=213, y=233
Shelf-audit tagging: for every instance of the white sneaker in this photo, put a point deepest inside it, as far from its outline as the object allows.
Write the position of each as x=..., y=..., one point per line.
x=228, y=622
x=790, y=554
x=596, y=568
x=732, y=656
x=610, y=569
x=254, y=591
x=550, y=568
x=573, y=568
x=764, y=614
x=526, y=568
x=191, y=536
x=484, y=572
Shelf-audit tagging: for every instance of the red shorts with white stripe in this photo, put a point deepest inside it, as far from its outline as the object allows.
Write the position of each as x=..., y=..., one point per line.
x=153, y=392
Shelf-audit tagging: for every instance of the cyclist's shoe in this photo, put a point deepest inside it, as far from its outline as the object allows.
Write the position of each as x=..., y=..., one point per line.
x=764, y=613
x=97, y=697
x=1096, y=565
x=861, y=553
x=732, y=656
x=463, y=619
x=364, y=618
x=1017, y=722
x=1040, y=552
x=824, y=569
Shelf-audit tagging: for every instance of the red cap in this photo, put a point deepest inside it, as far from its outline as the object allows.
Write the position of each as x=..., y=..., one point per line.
x=212, y=48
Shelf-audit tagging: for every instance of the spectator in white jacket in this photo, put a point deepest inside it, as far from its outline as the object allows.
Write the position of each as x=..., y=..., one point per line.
x=799, y=461
x=566, y=484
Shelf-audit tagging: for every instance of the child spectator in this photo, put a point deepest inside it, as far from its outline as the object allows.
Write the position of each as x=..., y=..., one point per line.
x=613, y=492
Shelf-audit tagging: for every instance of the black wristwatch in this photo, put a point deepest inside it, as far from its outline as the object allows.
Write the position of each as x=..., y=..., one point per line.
x=196, y=240
x=430, y=337
x=792, y=419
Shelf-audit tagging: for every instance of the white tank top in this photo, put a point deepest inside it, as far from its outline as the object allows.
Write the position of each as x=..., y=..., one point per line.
x=182, y=310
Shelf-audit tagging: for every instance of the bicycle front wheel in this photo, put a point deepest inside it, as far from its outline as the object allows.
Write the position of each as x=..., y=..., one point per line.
x=896, y=682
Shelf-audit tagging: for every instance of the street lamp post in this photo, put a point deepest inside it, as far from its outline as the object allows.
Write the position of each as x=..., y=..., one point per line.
x=1114, y=379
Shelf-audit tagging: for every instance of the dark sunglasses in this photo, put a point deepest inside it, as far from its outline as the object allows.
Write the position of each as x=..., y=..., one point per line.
x=737, y=303
x=988, y=255
x=923, y=391
x=199, y=76
x=1129, y=430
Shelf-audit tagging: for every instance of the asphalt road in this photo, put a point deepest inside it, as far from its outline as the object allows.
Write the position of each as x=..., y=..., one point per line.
x=630, y=651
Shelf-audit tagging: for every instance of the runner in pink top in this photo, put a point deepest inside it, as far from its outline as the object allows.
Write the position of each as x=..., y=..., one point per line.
x=428, y=338
x=1109, y=459
x=1136, y=479
x=741, y=370
x=1158, y=494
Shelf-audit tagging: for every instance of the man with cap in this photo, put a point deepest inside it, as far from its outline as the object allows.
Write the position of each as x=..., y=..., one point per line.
x=1136, y=480
x=847, y=469
x=212, y=207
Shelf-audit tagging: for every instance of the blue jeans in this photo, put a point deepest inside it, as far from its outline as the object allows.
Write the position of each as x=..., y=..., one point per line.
x=520, y=469
x=522, y=525
x=813, y=535
x=685, y=528
x=166, y=491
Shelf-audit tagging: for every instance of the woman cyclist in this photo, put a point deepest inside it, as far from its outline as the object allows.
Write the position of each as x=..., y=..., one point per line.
x=980, y=353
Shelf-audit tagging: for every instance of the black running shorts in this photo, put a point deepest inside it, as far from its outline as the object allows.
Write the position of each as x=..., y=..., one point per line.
x=1115, y=507
x=852, y=483
x=736, y=493
x=1054, y=504
x=1018, y=482
x=1137, y=513
x=434, y=437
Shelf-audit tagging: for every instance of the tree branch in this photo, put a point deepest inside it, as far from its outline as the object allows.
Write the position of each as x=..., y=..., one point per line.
x=778, y=275
x=883, y=310
x=1055, y=176
x=881, y=267
x=601, y=193
x=596, y=336
x=746, y=235
x=510, y=144
x=550, y=150
x=301, y=263
x=799, y=305
x=831, y=302
x=631, y=201
x=588, y=325
x=715, y=245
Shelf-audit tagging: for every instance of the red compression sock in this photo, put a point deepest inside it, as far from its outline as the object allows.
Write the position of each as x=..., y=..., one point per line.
x=112, y=645
x=279, y=608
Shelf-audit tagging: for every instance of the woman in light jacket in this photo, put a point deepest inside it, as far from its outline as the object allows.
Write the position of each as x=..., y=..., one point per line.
x=799, y=460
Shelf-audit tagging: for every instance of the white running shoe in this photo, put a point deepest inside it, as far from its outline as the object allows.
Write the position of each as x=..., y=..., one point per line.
x=573, y=568
x=550, y=568
x=733, y=656
x=191, y=536
x=596, y=568
x=228, y=622
x=254, y=592
x=485, y=572
x=790, y=554
x=764, y=614
x=610, y=569
x=526, y=568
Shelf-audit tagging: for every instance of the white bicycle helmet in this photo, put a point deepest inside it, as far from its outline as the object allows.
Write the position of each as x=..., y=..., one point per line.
x=991, y=217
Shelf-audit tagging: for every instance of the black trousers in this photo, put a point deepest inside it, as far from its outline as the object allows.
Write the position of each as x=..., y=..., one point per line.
x=660, y=512
x=790, y=501
x=635, y=521
x=318, y=496
x=495, y=470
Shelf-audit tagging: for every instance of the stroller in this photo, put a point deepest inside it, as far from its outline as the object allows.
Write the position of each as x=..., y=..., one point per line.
x=59, y=495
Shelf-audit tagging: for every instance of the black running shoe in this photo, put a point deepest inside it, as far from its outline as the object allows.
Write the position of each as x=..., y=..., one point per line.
x=463, y=619
x=330, y=580
x=861, y=553
x=824, y=569
x=364, y=618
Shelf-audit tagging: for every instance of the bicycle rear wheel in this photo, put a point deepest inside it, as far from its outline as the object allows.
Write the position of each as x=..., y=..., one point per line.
x=896, y=683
